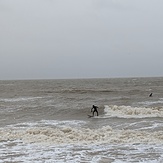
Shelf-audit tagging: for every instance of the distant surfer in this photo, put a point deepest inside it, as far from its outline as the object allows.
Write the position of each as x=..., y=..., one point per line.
x=151, y=94
x=94, y=109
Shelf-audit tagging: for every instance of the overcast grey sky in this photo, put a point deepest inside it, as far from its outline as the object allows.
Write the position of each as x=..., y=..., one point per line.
x=42, y=39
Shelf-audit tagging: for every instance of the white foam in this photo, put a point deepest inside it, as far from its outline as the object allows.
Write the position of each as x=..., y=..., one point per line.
x=132, y=146
x=132, y=112
x=148, y=103
x=19, y=99
x=84, y=153
x=70, y=135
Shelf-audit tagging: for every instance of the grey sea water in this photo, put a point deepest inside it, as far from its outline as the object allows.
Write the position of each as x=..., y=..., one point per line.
x=46, y=120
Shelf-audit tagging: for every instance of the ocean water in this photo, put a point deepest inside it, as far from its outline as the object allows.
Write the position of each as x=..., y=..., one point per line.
x=45, y=121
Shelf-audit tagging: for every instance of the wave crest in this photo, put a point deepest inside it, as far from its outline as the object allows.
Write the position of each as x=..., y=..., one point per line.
x=69, y=135
x=132, y=112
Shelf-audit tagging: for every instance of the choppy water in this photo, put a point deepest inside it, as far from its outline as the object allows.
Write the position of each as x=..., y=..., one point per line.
x=46, y=121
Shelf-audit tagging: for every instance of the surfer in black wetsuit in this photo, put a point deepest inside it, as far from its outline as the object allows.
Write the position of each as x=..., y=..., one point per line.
x=94, y=109
x=151, y=95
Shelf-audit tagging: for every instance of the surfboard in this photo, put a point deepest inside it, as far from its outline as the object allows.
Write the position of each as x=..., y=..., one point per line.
x=89, y=116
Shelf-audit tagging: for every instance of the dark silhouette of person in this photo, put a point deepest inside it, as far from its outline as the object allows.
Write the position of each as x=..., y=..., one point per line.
x=150, y=94
x=94, y=109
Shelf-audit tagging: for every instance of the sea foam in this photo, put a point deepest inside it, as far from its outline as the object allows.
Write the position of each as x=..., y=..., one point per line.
x=132, y=112
x=80, y=136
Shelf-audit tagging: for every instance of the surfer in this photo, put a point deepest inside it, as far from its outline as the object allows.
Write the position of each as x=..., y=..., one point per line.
x=94, y=109
x=151, y=95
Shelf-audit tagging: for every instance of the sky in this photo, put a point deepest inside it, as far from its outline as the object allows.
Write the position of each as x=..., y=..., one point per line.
x=58, y=39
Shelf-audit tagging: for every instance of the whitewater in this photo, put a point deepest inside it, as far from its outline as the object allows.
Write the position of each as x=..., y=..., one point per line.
x=46, y=120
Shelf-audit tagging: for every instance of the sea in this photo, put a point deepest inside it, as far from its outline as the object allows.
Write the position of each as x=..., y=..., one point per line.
x=46, y=121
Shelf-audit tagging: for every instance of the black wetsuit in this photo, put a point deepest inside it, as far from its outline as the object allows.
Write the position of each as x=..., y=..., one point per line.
x=94, y=108
x=151, y=95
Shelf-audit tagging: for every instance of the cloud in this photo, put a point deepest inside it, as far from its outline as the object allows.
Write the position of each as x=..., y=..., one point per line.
x=63, y=38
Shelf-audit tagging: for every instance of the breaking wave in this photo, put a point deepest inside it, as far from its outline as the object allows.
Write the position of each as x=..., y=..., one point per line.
x=80, y=136
x=132, y=112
